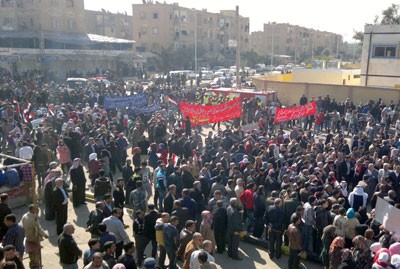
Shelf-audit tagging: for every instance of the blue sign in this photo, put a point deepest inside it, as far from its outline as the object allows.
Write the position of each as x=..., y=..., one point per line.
x=145, y=110
x=131, y=101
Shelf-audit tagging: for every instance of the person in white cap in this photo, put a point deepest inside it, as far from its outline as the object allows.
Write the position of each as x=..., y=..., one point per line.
x=395, y=261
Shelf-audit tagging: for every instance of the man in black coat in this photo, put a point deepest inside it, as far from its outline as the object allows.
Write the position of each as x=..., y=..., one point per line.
x=182, y=213
x=289, y=207
x=395, y=177
x=235, y=226
x=169, y=199
x=68, y=249
x=259, y=211
x=127, y=258
x=4, y=211
x=119, y=194
x=127, y=171
x=74, y=145
x=220, y=226
x=149, y=231
x=198, y=197
x=60, y=201
x=274, y=221
x=346, y=170
x=95, y=218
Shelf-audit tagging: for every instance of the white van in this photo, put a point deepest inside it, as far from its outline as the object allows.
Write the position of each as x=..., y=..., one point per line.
x=76, y=83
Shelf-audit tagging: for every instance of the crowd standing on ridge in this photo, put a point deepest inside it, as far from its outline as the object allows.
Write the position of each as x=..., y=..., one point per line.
x=309, y=186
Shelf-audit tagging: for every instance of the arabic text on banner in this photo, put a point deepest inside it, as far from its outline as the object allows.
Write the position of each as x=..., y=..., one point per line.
x=146, y=109
x=200, y=115
x=296, y=112
x=136, y=100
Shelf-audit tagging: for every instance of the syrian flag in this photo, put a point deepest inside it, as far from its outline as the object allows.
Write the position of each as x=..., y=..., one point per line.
x=50, y=108
x=28, y=114
x=172, y=101
x=16, y=107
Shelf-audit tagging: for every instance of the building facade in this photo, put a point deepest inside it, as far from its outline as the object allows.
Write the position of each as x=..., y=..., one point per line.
x=42, y=15
x=380, y=60
x=293, y=40
x=52, y=36
x=105, y=23
x=160, y=25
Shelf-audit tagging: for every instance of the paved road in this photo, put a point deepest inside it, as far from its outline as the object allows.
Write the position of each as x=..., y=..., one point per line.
x=253, y=257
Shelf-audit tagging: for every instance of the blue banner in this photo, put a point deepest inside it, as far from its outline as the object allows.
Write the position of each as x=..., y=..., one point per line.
x=131, y=101
x=145, y=110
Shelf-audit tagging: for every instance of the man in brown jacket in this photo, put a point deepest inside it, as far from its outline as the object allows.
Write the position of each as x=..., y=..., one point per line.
x=193, y=245
x=295, y=243
x=186, y=236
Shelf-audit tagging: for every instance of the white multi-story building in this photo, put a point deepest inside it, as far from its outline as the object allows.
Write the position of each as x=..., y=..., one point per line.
x=380, y=62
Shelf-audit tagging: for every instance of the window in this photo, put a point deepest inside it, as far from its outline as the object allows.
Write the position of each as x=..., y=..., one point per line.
x=141, y=49
x=71, y=25
x=70, y=3
x=142, y=15
x=384, y=51
x=55, y=23
x=356, y=76
x=7, y=3
x=155, y=16
x=155, y=31
x=55, y=3
x=8, y=22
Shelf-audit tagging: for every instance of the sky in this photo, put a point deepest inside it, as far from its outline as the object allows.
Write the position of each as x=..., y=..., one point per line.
x=337, y=16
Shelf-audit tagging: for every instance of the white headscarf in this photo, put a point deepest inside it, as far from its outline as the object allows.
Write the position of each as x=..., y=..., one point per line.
x=93, y=156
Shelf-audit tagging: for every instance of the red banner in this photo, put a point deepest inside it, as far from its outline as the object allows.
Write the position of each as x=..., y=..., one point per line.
x=296, y=112
x=201, y=115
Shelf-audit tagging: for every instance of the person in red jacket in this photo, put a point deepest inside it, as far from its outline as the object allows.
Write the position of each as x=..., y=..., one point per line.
x=248, y=203
x=319, y=120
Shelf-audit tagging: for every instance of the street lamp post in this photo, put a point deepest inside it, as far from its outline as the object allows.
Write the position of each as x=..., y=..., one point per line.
x=195, y=41
x=272, y=44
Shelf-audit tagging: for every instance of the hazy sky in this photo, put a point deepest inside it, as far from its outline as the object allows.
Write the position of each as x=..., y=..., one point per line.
x=337, y=16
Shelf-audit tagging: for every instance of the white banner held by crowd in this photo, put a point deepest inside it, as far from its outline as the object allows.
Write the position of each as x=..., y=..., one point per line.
x=387, y=215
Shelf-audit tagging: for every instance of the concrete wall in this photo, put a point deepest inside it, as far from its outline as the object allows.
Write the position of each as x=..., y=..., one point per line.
x=290, y=93
x=275, y=77
x=327, y=76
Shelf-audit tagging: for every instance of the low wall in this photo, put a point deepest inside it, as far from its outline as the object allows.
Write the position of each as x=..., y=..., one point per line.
x=16, y=195
x=290, y=92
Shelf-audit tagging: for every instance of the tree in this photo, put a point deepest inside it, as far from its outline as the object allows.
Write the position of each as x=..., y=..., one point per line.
x=319, y=50
x=358, y=36
x=251, y=58
x=391, y=15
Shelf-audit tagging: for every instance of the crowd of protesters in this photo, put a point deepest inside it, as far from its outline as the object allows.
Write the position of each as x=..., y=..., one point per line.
x=308, y=186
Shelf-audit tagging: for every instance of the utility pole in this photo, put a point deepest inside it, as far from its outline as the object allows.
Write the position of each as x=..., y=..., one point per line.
x=195, y=41
x=237, y=48
x=272, y=44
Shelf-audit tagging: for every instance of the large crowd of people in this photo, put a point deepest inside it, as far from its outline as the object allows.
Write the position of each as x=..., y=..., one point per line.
x=308, y=186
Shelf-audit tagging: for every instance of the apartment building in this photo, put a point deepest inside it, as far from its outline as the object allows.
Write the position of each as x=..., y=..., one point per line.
x=160, y=25
x=380, y=60
x=44, y=15
x=296, y=41
x=105, y=23
x=51, y=35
